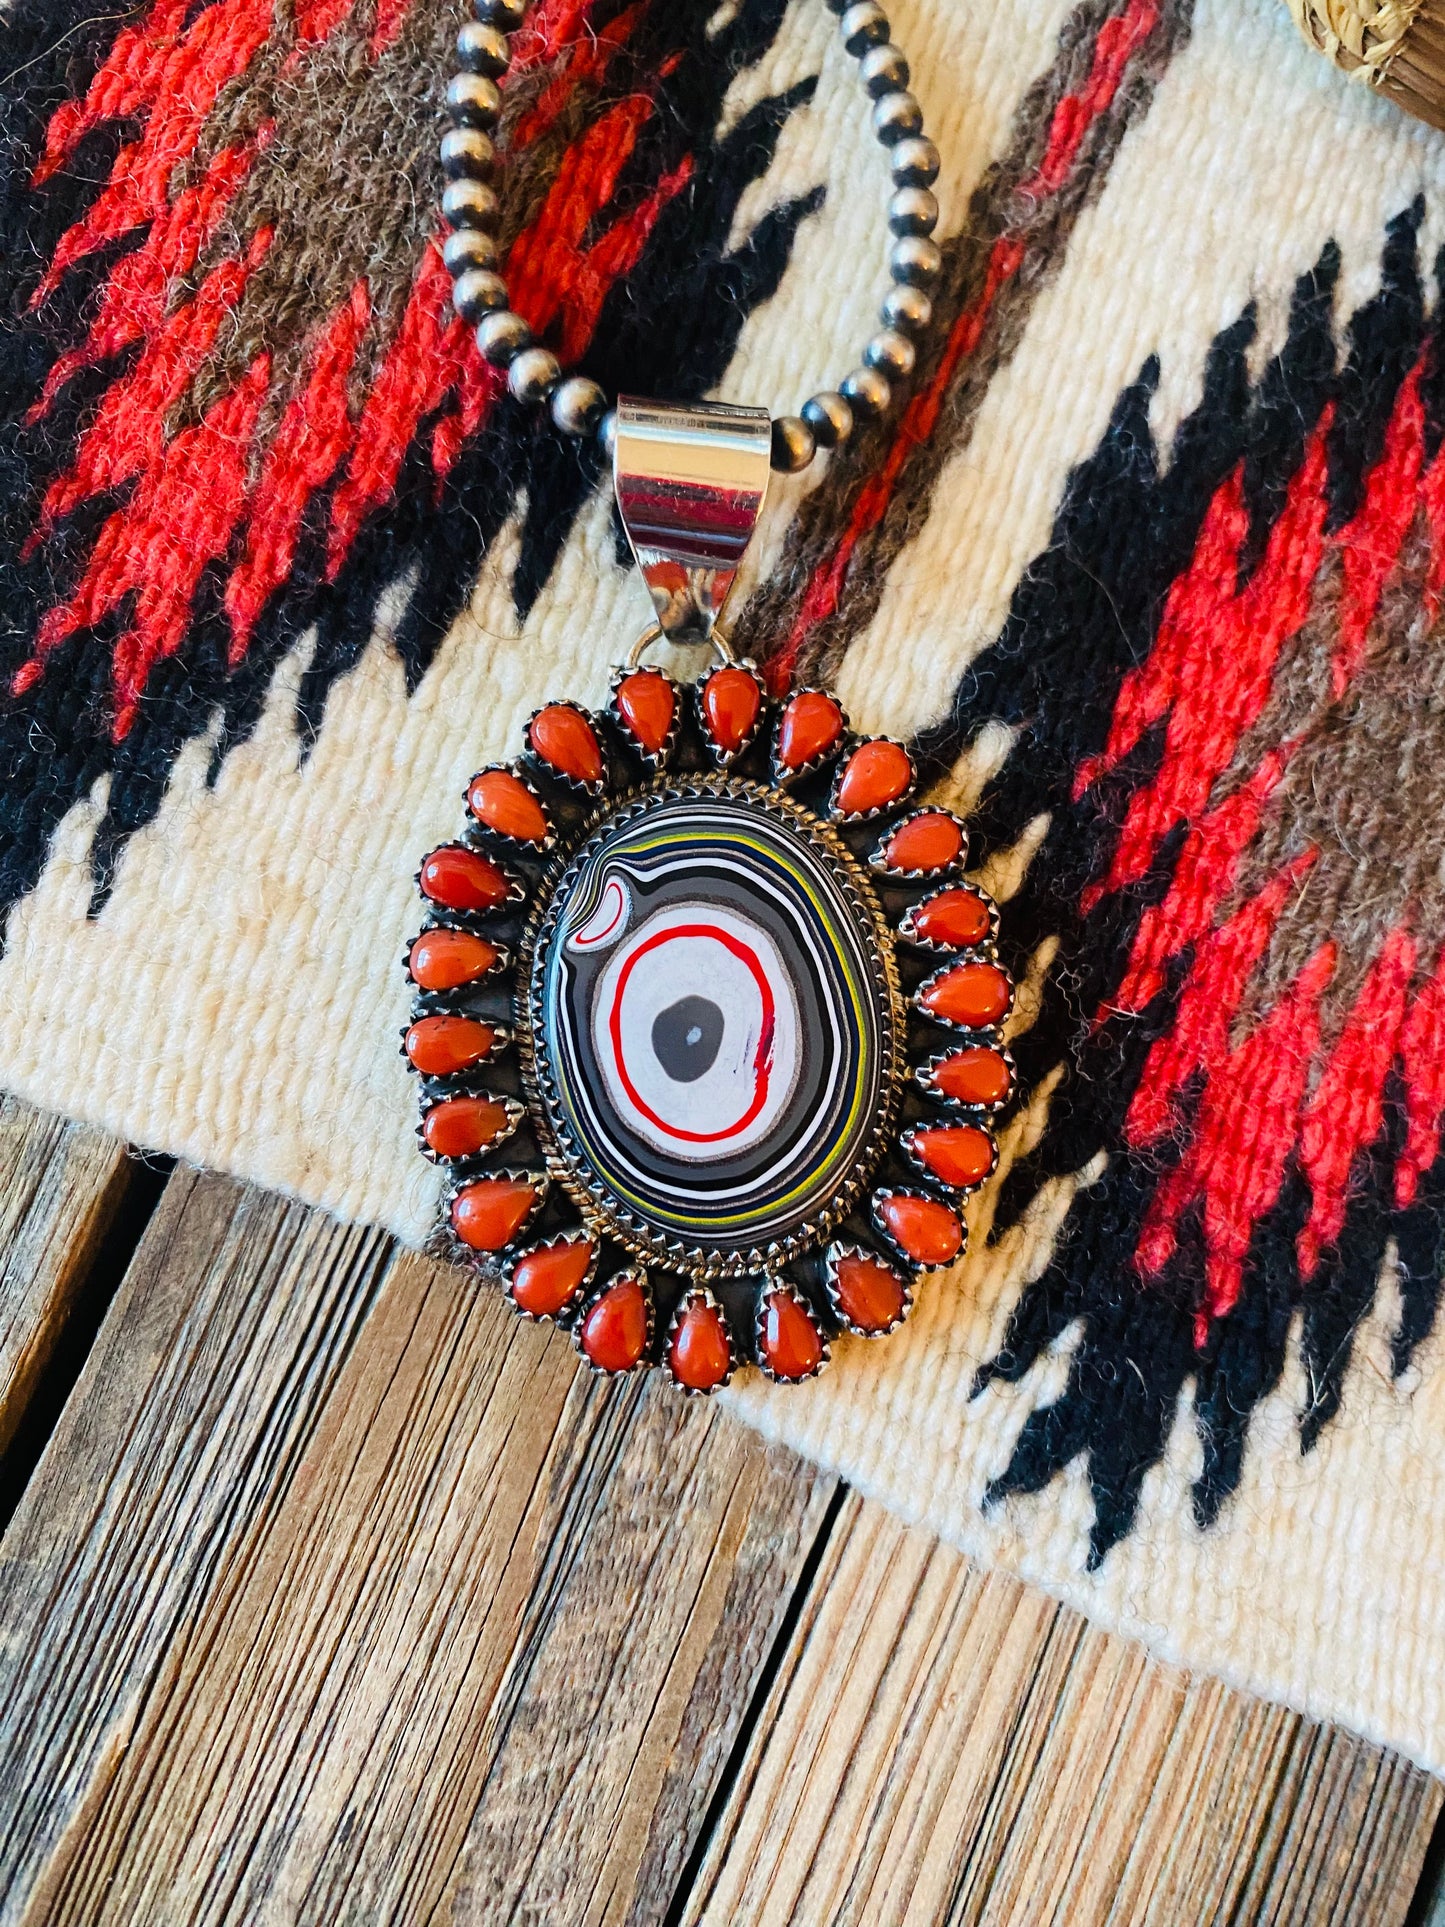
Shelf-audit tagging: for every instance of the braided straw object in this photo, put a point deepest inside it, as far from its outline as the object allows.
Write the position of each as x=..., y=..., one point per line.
x=1396, y=46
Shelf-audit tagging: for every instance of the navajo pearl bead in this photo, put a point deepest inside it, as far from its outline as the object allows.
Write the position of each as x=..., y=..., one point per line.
x=469, y=247
x=471, y=204
x=915, y=259
x=863, y=26
x=482, y=49
x=502, y=336
x=913, y=210
x=533, y=374
x=914, y=162
x=907, y=308
x=867, y=392
x=474, y=99
x=829, y=417
x=478, y=292
x=578, y=405
x=467, y=154
x=897, y=116
x=793, y=444
x=505, y=15
x=607, y=433
x=891, y=353
x=883, y=70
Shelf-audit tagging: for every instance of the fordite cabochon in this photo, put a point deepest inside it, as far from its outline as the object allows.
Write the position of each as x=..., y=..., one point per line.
x=707, y=1019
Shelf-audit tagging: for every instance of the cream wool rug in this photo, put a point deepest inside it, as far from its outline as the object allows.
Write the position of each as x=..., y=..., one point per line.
x=1151, y=572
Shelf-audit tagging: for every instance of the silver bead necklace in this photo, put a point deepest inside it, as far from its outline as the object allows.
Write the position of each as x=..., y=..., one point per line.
x=578, y=406
x=706, y=1016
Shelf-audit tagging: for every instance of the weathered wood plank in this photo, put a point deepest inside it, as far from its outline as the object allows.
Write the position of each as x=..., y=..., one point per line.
x=60, y=1187
x=941, y=1745
x=327, y=1561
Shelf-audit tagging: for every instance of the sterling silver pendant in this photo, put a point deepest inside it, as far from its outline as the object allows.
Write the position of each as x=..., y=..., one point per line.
x=707, y=1020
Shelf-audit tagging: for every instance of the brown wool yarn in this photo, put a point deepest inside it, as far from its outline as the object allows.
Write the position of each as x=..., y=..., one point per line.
x=1397, y=46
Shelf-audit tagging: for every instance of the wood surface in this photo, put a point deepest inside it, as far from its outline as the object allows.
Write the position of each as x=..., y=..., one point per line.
x=339, y=1595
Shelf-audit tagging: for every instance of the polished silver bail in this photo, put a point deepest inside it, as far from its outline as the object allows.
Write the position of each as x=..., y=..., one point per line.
x=690, y=483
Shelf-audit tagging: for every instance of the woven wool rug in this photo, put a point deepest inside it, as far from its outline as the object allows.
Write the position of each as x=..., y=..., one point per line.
x=1149, y=568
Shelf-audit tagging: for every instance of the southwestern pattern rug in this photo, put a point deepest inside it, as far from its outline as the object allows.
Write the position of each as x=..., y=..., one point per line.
x=1149, y=569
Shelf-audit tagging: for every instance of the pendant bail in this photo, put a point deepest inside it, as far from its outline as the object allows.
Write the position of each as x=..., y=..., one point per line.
x=690, y=484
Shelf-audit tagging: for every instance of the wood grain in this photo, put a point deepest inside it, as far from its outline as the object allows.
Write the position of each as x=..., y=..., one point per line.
x=941, y=1745
x=341, y=1596
x=60, y=1187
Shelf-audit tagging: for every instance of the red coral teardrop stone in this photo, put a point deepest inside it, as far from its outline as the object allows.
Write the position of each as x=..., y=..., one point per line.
x=792, y=1345
x=446, y=959
x=972, y=994
x=488, y=1214
x=699, y=1356
x=442, y=1046
x=957, y=1154
x=461, y=879
x=503, y=803
x=647, y=703
x=460, y=1127
x=870, y=1296
x=544, y=1281
x=931, y=1233
x=875, y=775
x=811, y=723
x=563, y=737
x=929, y=841
x=613, y=1335
x=955, y=918
x=731, y=700
x=974, y=1076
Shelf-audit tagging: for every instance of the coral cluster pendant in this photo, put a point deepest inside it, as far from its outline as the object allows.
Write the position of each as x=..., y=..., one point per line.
x=707, y=1027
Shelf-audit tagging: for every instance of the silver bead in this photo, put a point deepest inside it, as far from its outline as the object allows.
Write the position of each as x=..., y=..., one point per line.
x=793, y=445
x=891, y=353
x=467, y=154
x=863, y=26
x=478, y=292
x=533, y=375
x=473, y=100
x=506, y=15
x=896, y=117
x=469, y=247
x=471, y=204
x=914, y=162
x=907, y=308
x=913, y=210
x=483, y=50
x=502, y=337
x=607, y=433
x=829, y=417
x=915, y=259
x=884, y=70
x=578, y=405
x=867, y=392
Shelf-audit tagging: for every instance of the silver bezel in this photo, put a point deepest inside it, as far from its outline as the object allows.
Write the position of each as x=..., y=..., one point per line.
x=590, y=1194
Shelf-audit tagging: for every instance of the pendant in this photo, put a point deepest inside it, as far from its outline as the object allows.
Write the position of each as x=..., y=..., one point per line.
x=707, y=1019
